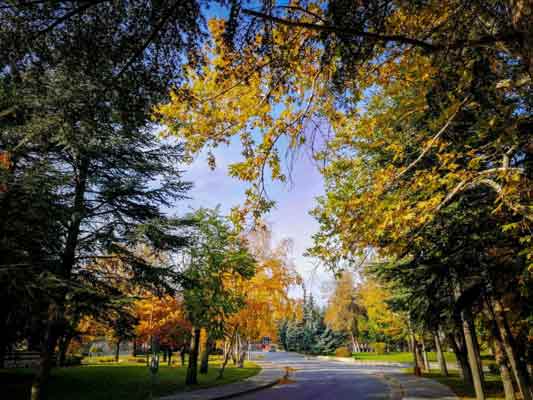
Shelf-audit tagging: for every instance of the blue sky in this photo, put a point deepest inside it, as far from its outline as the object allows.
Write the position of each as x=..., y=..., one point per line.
x=290, y=218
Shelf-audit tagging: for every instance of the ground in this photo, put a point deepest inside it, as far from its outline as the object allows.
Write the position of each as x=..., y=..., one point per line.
x=314, y=379
x=108, y=381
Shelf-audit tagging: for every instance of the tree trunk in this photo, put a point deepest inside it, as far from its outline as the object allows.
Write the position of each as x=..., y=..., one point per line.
x=458, y=347
x=169, y=357
x=416, y=360
x=117, y=351
x=206, y=347
x=440, y=355
x=183, y=352
x=499, y=353
x=473, y=359
x=519, y=370
x=501, y=359
x=39, y=385
x=425, y=355
x=192, y=368
x=64, y=342
x=227, y=355
x=134, y=348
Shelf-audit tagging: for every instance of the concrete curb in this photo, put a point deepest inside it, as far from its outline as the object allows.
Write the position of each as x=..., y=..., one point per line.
x=247, y=391
x=226, y=392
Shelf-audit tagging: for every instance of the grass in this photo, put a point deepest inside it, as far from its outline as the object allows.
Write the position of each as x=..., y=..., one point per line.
x=126, y=380
x=493, y=385
x=400, y=357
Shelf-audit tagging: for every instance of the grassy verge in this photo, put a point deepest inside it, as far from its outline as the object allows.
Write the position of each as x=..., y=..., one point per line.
x=126, y=380
x=401, y=357
x=493, y=385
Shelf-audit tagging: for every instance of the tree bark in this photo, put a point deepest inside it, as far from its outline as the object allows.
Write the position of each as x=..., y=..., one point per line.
x=458, y=347
x=425, y=355
x=192, y=368
x=68, y=259
x=227, y=355
x=519, y=370
x=416, y=359
x=117, y=351
x=440, y=355
x=206, y=348
x=505, y=373
x=39, y=384
x=64, y=342
x=183, y=351
x=134, y=348
x=473, y=359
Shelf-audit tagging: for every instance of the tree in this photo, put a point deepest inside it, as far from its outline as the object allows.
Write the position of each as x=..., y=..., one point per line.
x=343, y=311
x=216, y=259
x=266, y=294
x=77, y=135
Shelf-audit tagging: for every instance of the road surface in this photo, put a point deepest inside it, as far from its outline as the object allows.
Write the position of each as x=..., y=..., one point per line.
x=315, y=379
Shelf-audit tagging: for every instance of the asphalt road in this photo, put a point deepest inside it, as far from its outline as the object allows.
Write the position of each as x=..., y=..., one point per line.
x=315, y=379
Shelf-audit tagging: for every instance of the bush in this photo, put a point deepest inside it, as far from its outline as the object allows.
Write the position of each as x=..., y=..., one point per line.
x=342, y=352
x=106, y=360
x=379, y=348
x=140, y=360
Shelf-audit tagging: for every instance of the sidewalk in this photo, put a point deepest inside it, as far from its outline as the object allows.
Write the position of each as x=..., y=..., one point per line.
x=268, y=376
x=410, y=387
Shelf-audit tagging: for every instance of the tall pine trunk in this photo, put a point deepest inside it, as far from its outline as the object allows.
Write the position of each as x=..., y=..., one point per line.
x=192, y=368
x=48, y=342
x=68, y=259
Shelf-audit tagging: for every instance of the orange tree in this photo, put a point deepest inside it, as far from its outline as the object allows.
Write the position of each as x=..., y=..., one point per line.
x=266, y=294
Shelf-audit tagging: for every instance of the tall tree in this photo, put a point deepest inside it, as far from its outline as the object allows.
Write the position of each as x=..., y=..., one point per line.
x=78, y=132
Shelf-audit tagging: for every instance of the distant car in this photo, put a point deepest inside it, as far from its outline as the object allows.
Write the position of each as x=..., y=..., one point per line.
x=272, y=350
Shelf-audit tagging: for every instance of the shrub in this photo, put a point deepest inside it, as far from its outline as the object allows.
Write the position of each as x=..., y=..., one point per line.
x=342, y=352
x=379, y=348
x=106, y=360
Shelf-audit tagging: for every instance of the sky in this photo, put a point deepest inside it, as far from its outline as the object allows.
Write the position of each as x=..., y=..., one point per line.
x=289, y=219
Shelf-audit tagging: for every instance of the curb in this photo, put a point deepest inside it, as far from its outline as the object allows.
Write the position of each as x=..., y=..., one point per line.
x=237, y=393
x=247, y=391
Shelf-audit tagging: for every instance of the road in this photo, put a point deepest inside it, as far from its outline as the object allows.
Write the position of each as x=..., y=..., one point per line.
x=315, y=379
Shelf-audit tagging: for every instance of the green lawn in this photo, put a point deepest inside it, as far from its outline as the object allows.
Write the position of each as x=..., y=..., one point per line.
x=126, y=380
x=402, y=357
x=493, y=385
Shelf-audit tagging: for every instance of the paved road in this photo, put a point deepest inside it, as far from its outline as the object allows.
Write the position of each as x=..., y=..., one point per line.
x=323, y=380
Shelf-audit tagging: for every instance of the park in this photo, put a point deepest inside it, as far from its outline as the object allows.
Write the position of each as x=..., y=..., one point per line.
x=266, y=199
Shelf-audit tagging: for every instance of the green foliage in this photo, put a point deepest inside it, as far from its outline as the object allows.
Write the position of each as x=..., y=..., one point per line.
x=379, y=348
x=217, y=259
